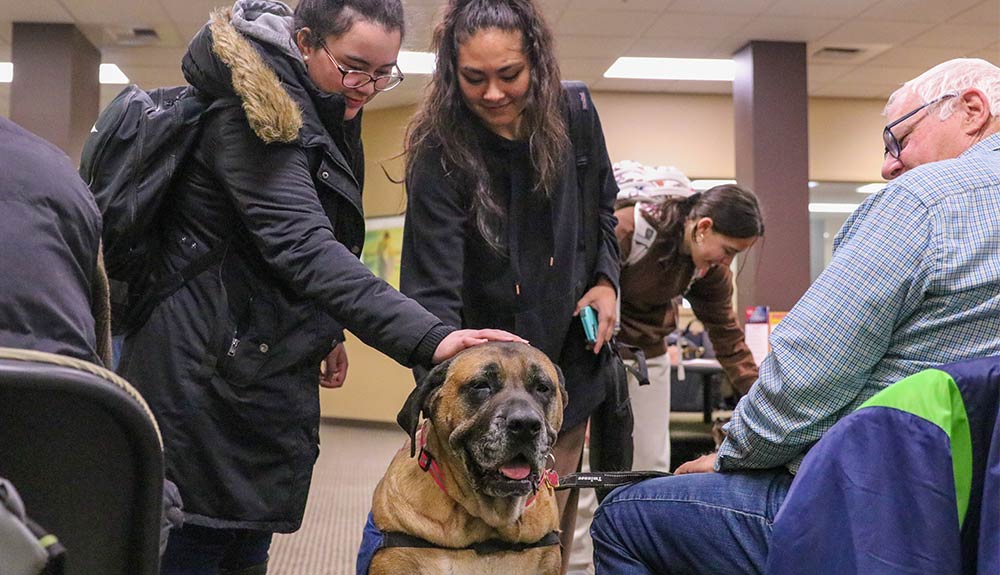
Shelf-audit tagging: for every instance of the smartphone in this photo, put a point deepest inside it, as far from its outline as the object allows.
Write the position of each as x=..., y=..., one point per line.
x=589, y=319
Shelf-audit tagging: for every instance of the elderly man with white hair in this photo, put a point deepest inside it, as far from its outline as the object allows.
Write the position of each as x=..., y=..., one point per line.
x=913, y=283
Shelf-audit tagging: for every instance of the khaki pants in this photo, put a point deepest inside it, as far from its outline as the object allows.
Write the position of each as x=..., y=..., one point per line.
x=651, y=436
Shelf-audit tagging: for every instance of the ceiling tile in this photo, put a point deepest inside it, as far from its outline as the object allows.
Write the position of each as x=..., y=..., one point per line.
x=990, y=54
x=588, y=70
x=192, y=11
x=930, y=11
x=841, y=90
x=880, y=75
x=752, y=7
x=619, y=5
x=592, y=46
x=146, y=56
x=823, y=73
x=34, y=11
x=964, y=36
x=864, y=31
x=552, y=9
x=673, y=24
x=820, y=8
x=915, y=57
x=420, y=22
x=144, y=14
x=674, y=48
x=187, y=30
x=604, y=23
x=987, y=12
x=780, y=29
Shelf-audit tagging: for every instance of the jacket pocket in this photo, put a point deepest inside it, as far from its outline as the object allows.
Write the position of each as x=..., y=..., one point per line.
x=249, y=340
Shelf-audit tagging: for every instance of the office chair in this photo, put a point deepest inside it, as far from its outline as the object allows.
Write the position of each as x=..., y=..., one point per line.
x=909, y=483
x=83, y=450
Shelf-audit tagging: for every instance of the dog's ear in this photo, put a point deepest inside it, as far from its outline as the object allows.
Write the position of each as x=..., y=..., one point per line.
x=409, y=416
x=562, y=386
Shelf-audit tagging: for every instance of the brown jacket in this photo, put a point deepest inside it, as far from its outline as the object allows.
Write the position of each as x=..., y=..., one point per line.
x=649, y=286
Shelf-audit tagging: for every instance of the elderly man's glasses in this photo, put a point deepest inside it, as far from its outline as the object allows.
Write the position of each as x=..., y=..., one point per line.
x=892, y=145
x=357, y=78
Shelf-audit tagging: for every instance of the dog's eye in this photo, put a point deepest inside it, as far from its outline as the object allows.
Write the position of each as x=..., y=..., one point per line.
x=480, y=387
x=542, y=387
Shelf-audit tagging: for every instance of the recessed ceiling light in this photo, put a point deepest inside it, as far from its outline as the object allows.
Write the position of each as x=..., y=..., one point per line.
x=870, y=188
x=673, y=69
x=813, y=184
x=416, y=62
x=112, y=74
x=6, y=72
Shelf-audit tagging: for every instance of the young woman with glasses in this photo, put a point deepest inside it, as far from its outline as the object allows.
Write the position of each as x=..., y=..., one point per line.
x=495, y=233
x=230, y=362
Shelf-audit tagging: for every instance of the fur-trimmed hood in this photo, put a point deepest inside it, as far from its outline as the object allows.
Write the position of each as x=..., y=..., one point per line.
x=248, y=52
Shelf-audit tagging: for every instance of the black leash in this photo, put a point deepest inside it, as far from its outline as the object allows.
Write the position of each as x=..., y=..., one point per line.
x=606, y=479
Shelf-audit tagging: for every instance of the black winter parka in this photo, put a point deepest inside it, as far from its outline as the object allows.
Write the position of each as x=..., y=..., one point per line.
x=229, y=363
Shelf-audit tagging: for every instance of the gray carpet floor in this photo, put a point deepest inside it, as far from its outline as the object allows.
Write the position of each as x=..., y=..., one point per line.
x=352, y=460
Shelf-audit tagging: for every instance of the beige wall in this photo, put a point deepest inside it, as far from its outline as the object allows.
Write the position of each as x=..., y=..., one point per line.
x=692, y=132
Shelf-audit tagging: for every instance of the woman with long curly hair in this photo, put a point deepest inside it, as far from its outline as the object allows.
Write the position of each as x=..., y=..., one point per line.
x=496, y=232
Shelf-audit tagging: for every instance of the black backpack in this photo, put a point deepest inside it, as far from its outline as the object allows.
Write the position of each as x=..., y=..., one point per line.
x=129, y=161
x=611, y=445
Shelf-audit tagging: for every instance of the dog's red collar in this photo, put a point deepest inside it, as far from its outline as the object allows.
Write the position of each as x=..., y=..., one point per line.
x=426, y=461
x=550, y=479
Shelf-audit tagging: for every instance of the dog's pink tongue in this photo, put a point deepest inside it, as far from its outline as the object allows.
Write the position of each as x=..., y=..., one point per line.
x=516, y=472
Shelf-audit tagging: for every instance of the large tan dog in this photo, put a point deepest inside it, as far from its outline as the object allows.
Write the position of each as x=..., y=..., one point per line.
x=492, y=414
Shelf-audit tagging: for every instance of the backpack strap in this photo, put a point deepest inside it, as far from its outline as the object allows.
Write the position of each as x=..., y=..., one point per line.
x=643, y=235
x=165, y=287
x=581, y=121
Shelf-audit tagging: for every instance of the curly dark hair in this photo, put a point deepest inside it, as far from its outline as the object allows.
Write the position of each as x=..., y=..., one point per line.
x=445, y=122
x=335, y=17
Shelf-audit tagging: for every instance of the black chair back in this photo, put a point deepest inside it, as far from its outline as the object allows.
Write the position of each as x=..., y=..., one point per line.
x=83, y=450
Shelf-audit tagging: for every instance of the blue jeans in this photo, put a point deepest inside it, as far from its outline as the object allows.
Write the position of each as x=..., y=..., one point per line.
x=196, y=550
x=699, y=523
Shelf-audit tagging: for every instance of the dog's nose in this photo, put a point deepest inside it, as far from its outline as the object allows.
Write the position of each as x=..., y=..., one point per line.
x=524, y=424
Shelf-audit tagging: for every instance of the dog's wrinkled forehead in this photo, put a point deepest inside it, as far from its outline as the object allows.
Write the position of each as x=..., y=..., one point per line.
x=515, y=364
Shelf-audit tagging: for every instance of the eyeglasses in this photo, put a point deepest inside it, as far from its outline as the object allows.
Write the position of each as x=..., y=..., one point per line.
x=892, y=145
x=357, y=78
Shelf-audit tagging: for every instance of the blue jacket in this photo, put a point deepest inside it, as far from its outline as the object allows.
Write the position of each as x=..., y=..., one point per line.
x=903, y=484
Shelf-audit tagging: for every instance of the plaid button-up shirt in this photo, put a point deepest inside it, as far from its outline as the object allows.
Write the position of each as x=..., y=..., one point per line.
x=914, y=283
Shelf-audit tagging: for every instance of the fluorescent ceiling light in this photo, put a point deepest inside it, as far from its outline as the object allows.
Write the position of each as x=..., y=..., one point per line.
x=112, y=74
x=819, y=208
x=673, y=69
x=870, y=188
x=702, y=185
x=416, y=62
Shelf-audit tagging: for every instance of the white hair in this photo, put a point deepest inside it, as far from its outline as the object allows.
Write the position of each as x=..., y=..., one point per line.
x=953, y=77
